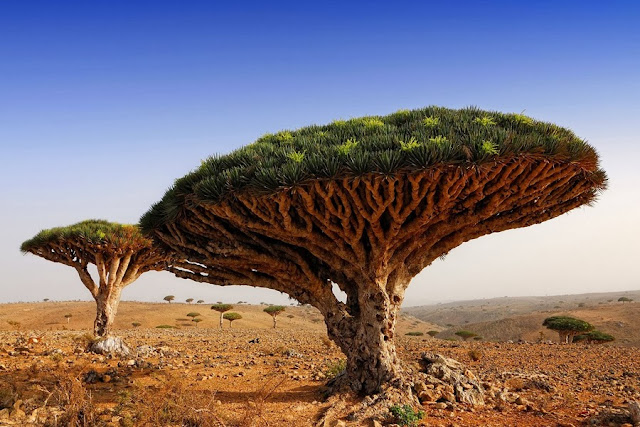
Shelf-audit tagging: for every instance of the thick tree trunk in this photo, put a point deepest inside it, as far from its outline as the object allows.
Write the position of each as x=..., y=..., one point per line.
x=107, y=306
x=221, y=319
x=367, y=340
x=274, y=322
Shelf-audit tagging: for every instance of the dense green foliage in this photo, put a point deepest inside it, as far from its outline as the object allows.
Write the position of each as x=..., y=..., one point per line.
x=624, y=299
x=193, y=314
x=415, y=334
x=465, y=335
x=274, y=310
x=404, y=140
x=566, y=323
x=221, y=308
x=91, y=232
x=433, y=333
x=232, y=316
x=405, y=415
x=594, y=336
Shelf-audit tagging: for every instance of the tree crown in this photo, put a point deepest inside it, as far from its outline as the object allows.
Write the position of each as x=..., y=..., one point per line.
x=402, y=141
x=466, y=334
x=232, y=316
x=221, y=307
x=596, y=336
x=274, y=310
x=99, y=235
x=193, y=314
x=566, y=323
x=169, y=298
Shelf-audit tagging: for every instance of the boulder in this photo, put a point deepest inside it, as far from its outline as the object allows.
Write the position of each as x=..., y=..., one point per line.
x=110, y=345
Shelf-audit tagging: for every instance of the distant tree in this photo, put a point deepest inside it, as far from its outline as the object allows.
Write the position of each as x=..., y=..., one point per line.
x=624, y=299
x=68, y=317
x=595, y=337
x=46, y=299
x=120, y=253
x=221, y=308
x=200, y=301
x=231, y=317
x=189, y=300
x=136, y=324
x=581, y=305
x=169, y=298
x=465, y=335
x=567, y=327
x=273, y=311
x=433, y=333
x=478, y=338
x=196, y=320
x=193, y=314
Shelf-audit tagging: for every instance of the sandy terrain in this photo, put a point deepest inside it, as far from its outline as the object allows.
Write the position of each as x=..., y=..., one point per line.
x=208, y=376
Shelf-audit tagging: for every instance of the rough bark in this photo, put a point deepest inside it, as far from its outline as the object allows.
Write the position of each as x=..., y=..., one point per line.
x=369, y=235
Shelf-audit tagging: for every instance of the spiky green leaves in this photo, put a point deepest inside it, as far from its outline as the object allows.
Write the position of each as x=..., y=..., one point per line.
x=403, y=141
x=105, y=234
x=567, y=324
x=274, y=310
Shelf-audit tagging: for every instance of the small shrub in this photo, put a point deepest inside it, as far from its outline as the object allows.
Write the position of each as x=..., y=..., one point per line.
x=326, y=341
x=433, y=333
x=406, y=415
x=475, y=355
x=415, y=334
x=8, y=395
x=136, y=324
x=166, y=327
x=335, y=368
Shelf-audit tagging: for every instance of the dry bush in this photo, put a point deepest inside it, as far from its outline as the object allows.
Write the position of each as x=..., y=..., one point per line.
x=8, y=395
x=84, y=340
x=475, y=354
x=76, y=402
x=254, y=407
x=326, y=341
x=172, y=403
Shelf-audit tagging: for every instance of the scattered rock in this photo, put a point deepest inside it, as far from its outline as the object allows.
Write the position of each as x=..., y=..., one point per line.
x=110, y=345
x=459, y=386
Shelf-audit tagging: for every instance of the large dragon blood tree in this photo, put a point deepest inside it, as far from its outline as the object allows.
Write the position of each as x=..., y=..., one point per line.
x=119, y=252
x=366, y=204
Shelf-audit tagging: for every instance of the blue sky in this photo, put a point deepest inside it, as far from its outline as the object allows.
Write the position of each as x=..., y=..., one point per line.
x=104, y=104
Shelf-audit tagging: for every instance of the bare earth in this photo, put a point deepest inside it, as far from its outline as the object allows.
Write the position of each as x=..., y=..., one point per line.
x=208, y=376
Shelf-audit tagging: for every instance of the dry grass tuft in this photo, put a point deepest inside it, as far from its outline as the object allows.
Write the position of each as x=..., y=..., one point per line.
x=253, y=414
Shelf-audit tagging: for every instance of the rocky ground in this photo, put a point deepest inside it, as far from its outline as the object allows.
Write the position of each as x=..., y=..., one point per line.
x=219, y=377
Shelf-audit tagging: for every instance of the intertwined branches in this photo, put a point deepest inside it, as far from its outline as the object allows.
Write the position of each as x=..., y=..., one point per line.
x=119, y=251
x=358, y=231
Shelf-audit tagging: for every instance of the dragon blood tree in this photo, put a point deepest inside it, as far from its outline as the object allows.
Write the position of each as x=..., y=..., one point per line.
x=567, y=327
x=120, y=253
x=366, y=204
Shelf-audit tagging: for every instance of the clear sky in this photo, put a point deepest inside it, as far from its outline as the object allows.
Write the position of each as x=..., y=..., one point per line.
x=104, y=104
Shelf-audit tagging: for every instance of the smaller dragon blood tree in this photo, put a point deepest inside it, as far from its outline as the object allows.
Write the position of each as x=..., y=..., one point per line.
x=274, y=311
x=119, y=252
x=567, y=327
x=221, y=308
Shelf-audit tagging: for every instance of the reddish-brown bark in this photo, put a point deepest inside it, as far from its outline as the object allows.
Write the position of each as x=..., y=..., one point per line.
x=370, y=235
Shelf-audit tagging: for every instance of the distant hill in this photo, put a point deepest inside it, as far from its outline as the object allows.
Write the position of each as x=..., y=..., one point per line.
x=503, y=319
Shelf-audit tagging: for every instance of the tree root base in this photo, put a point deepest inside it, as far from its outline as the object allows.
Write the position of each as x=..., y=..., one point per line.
x=440, y=380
